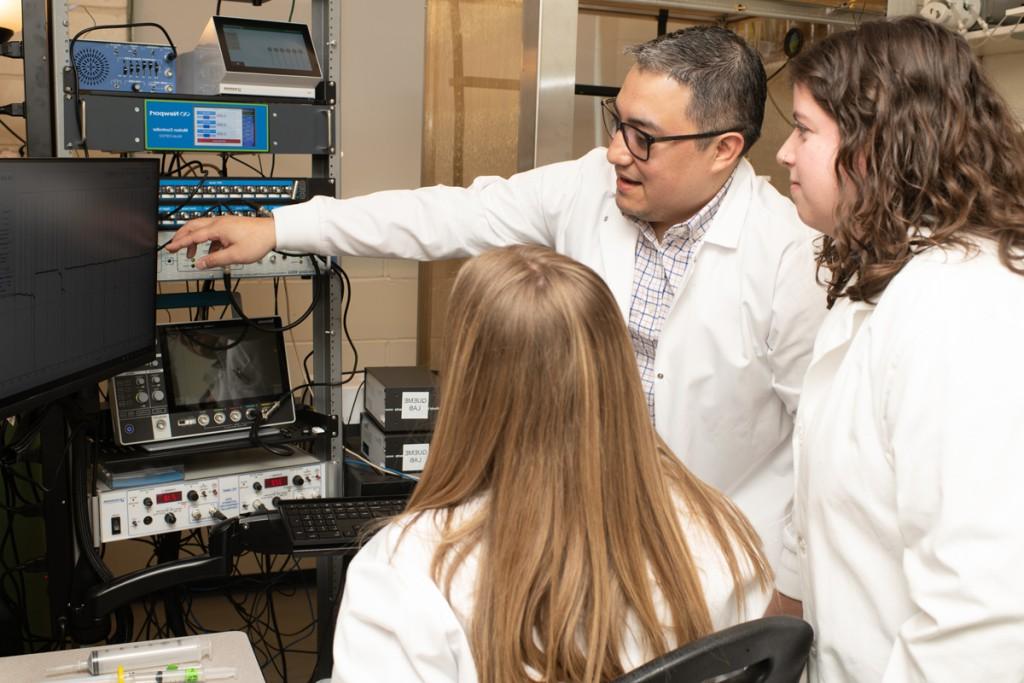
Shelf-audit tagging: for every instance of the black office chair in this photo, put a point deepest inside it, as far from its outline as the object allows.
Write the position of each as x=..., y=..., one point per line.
x=767, y=650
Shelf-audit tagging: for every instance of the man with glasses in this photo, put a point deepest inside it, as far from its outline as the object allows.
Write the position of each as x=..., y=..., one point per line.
x=712, y=269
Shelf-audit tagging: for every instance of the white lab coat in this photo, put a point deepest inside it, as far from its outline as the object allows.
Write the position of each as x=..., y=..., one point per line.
x=910, y=467
x=737, y=339
x=395, y=623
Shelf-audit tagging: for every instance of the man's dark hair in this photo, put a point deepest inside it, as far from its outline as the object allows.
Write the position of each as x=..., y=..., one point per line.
x=725, y=76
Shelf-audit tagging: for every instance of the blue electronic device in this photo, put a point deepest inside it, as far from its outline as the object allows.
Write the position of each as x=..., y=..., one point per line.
x=125, y=67
x=182, y=199
x=188, y=126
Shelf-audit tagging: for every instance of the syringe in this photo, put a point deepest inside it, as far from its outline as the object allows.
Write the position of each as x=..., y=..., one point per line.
x=133, y=656
x=185, y=674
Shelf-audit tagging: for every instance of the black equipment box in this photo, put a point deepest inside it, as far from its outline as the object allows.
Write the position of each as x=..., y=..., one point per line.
x=402, y=451
x=401, y=399
x=362, y=481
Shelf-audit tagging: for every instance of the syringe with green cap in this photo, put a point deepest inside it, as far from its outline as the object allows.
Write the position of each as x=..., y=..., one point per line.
x=172, y=674
x=132, y=656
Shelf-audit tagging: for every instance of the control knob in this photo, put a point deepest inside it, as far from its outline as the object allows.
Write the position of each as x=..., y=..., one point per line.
x=147, y=502
x=170, y=518
x=298, y=480
x=193, y=496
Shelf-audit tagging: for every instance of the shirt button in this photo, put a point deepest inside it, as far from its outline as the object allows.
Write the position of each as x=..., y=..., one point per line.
x=661, y=375
x=802, y=543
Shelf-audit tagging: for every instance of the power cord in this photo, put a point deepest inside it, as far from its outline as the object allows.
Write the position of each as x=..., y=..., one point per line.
x=284, y=328
x=15, y=49
x=13, y=109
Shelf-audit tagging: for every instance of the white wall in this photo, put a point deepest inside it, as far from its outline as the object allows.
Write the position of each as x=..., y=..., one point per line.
x=1007, y=74
x=382, y=46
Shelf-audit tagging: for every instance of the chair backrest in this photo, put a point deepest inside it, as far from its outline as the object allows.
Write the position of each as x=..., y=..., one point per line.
x=767, y=650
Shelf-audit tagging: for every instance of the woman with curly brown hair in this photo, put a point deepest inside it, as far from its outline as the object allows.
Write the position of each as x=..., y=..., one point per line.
x=909, y=440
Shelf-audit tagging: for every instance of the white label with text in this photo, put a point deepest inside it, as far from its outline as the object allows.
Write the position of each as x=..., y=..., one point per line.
x=414, y=456
x=415, y=405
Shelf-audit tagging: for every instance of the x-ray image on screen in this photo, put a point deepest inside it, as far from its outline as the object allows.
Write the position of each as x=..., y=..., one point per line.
x=209, y=367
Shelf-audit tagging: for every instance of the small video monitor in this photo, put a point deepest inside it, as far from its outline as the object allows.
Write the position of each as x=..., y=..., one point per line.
x=250, y=57
x=209, y=378
x=266, y=47
x=221, y=364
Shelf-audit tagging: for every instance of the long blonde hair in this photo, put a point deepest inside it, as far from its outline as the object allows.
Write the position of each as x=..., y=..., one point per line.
x=543, y=417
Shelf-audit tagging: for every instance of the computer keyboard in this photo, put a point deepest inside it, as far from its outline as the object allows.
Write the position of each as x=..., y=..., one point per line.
x=334, y=524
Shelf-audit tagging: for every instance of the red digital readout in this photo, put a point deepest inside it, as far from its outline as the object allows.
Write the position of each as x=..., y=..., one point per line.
x=171, y=497
x=275, y=481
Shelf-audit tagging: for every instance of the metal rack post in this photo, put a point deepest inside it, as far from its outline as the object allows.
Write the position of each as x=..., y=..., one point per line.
x=51, y=99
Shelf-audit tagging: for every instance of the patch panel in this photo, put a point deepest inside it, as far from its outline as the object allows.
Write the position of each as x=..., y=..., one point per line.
x=183, y=199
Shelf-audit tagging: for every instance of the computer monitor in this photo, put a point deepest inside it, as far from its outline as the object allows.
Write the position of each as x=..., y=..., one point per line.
x=77, y=274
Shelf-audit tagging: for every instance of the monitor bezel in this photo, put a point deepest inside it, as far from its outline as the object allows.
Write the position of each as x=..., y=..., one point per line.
x=49, y=392
x=220, y=22
x=66, y=386
x=172, y=399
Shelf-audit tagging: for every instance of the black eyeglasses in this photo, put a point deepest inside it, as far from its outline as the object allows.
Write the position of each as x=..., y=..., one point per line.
x=637, y=141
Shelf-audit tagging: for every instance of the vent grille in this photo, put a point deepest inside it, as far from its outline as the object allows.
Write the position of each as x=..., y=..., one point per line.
x=92, y=67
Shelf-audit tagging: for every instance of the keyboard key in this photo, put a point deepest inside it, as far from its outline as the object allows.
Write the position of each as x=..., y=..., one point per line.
x=334, y=524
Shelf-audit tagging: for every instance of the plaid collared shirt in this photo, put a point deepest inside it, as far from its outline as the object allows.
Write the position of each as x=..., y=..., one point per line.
x=658, y=273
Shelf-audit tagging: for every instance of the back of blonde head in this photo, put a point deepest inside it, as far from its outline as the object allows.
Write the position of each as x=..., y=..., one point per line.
x=543, y=413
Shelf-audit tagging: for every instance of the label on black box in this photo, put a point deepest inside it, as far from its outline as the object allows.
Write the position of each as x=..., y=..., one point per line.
x=414, y=456
x=415, y=405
